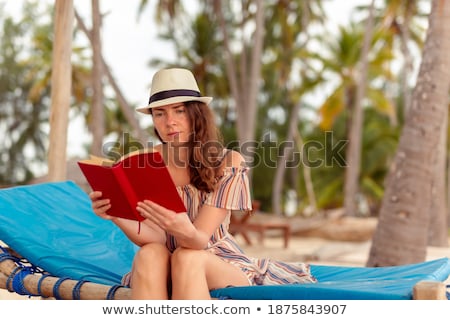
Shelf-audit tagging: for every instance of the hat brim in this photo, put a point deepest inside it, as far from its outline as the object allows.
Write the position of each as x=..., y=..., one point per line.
x=172, y=100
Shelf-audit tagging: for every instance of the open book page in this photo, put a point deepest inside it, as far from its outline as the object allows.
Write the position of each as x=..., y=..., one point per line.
x=137, y=152
x=99, y=161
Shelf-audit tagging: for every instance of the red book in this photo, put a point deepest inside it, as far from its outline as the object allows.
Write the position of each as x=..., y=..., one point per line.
x=136, y=177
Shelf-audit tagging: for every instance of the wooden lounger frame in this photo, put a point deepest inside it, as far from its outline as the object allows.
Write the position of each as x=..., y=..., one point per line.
x=48, y=286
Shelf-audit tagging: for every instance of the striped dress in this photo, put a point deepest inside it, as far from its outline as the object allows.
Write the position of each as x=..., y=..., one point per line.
x=233, y=193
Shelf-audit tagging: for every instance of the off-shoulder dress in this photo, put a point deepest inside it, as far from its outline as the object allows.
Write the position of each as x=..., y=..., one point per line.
x=233, y=193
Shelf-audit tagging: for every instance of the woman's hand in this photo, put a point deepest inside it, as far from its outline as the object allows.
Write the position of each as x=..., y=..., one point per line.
x=148, y=231
x=99, y=205
x=174, y=223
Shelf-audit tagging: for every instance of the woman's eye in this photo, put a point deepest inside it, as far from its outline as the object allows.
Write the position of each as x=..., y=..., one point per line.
x=180, y=111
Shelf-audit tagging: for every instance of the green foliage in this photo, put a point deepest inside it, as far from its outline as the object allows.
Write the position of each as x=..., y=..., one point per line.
x=25, y=82
x=23, y=112
x=379, y=144
x=327, y=168
x=264, y=167
x=380, y=139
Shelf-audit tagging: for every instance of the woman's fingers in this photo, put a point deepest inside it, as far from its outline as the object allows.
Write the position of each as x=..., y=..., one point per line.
x=99, y=205
x=166, y=219
x=154, y=212
x=145, y=210
x=94, y=195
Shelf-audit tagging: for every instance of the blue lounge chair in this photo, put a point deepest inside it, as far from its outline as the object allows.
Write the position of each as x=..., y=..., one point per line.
x=61, y=249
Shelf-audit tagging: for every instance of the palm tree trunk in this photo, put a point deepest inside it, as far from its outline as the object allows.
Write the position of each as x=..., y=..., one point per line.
x=353, y=156
x=292, y=134
x=401, y=235
x=307, y=175
x=61, y=90
x=97, y=123
x=408, y=60
x=448, y=191
x=244, y=84
x=438, y=232
x=280, y=170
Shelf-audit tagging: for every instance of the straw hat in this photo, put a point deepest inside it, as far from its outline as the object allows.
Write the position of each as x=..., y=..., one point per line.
x=172, y=86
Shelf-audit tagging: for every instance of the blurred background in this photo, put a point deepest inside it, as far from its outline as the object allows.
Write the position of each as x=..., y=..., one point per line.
x=314, y=93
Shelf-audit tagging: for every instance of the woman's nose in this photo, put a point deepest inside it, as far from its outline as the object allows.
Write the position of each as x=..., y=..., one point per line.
x=170, y=118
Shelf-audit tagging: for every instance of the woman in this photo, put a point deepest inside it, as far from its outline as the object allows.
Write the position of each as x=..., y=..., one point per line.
x=184, y=256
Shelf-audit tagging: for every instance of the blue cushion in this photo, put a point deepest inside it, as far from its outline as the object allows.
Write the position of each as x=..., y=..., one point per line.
x=349, y=283
x=54, y=227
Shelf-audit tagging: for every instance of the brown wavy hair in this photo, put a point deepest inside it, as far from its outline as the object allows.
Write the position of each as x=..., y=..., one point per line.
x=205, y=146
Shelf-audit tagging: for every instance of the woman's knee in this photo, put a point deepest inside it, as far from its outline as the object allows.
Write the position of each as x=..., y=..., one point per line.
x=184, y=258
x=151, y=269
x=151, y=254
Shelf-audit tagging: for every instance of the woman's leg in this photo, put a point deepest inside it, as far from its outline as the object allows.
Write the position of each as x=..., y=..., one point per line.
x=196, y=272
x=150, y=272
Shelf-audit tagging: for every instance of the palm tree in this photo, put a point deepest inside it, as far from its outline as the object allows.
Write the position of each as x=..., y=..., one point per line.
x=344, y=61
x=97, y=123
x=127, y=112
x=353, y=155
x=283, y=42
x=27, y=64
x=400, y=18
x=401, y=236
x=21, y=119
x=244, y=70
x=61, y=89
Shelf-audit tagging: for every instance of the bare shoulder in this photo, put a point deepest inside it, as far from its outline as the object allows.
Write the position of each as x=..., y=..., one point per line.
x=233, y=159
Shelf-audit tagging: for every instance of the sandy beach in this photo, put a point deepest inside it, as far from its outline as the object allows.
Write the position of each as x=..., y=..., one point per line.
x=315, y=250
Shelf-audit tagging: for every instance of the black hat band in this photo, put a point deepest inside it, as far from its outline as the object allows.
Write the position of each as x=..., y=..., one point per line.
x=172, y=93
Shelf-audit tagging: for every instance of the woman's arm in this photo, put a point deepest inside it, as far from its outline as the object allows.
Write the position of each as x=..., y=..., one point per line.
x=197, y=234
x=142, y=234
x=207, y=222
x=189, y=235
x=209, y=217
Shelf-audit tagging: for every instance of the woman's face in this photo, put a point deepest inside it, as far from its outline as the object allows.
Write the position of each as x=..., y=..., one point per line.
x=172, y=123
